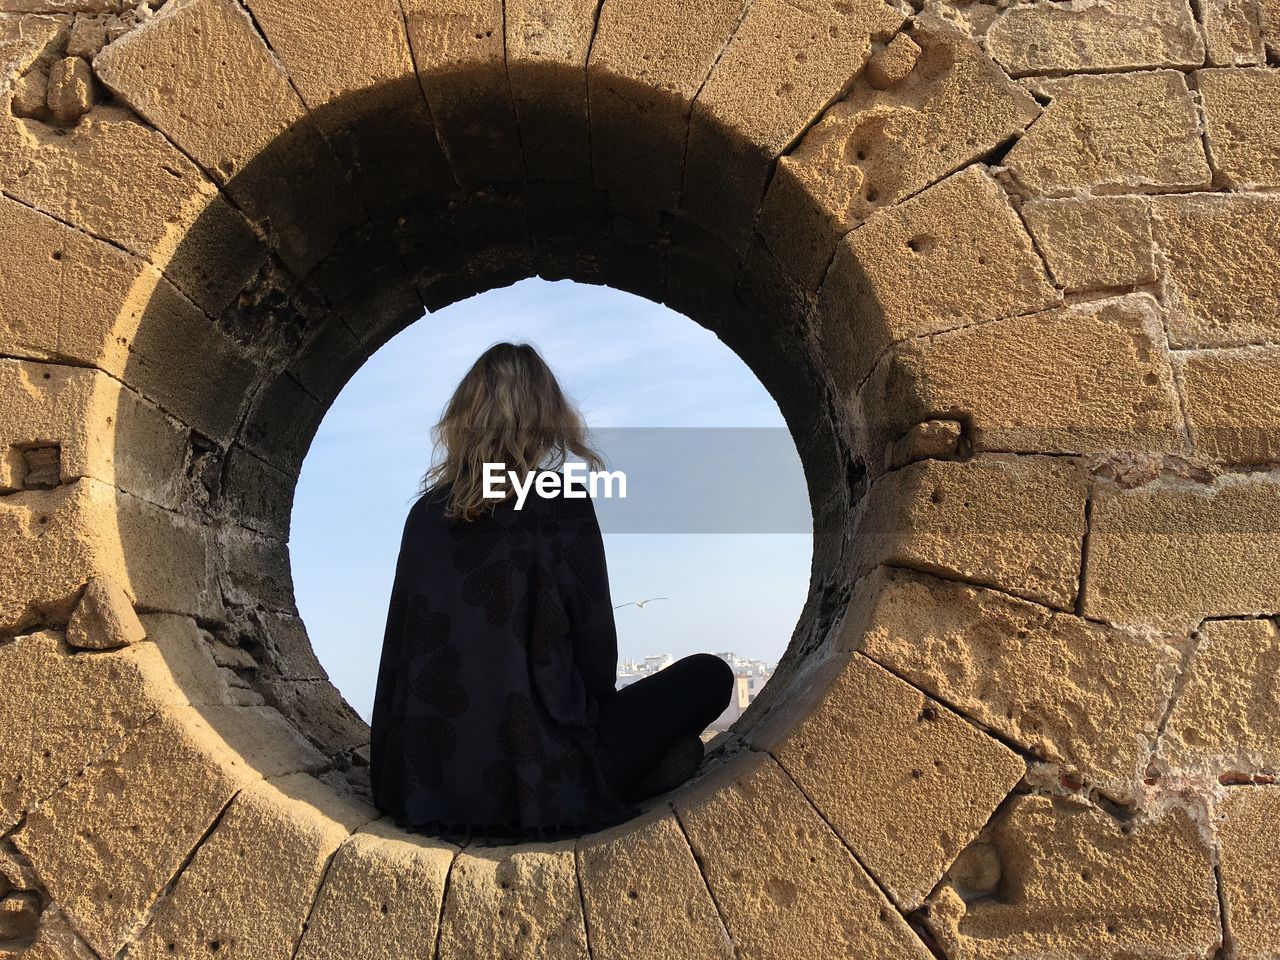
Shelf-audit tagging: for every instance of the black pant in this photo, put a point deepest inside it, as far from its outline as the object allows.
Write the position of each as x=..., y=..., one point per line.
x=640, y=722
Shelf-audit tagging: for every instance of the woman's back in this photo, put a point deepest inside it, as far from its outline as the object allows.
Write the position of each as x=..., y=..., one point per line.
x=499, y=645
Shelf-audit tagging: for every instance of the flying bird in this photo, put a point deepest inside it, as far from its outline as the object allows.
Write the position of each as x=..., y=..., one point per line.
x=639, y=603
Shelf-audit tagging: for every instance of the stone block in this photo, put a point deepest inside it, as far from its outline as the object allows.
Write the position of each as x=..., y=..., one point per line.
x=1225, y=718
x=56, y=940
x=647, y=65
x=519, y=900
x=1172, y=553
x=1094, y=243
x=317, y=708
x=644, y=895
x=1232, y=32
x=380, y=898
x=1242, y=111
x=104, y=619
x=1145, y=888
x=1112, y=133
x=257, y=495
x=786, y=884
x=1011, y=522
x=255, y=571
x=281, y=421
x=1079, y=694
x=177, y=661
x=1248, y=826
x=954, y=255
x=88, y=35
x=879, y=145
x=783, y=67
x=1223, y=280
x=1047, y=37
x=70, y=90
x=905, y=782
x=251, y=882
x=927, y=440
x=1232, y=400
x=1269, y=11
x=1019, y=383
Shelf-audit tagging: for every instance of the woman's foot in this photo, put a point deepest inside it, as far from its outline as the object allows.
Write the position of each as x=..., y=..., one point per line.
x=677, y=765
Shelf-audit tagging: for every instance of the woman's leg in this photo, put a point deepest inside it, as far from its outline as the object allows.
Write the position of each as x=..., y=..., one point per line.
x=639, y=723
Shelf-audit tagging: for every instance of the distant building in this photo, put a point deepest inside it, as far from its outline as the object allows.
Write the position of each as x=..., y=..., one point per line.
x=750, y=676
x=629, y=671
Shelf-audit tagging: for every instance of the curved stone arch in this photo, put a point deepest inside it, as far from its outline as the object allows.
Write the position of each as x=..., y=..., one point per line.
x=1011, y=354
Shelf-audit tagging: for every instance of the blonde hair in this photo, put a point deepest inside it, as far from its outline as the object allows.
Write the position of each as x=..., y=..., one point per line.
x=507, y=409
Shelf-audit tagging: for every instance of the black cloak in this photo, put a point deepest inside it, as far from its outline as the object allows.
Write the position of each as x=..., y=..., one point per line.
x=499, y=645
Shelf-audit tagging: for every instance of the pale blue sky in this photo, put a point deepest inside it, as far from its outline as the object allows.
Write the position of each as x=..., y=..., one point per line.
x=627, y=362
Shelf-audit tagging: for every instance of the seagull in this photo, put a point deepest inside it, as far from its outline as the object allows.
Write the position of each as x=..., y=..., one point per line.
x=639, y=603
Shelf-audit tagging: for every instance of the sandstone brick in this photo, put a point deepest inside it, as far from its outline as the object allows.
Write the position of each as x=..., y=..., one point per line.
x=270, y=158
x=104, y=619
x=1222, y=279
x=316, y=707
x=1269, y=11
x=1173, y=553
x=1248, y=825
x=1047, y=37
x=1013, y=522
x=547, y=46
x=1242, y=111
x=1232, y=400
x=380, y=897
x=520, y=899
x=255, y=571
x=647, y=65
x=1080, y=694
x=927, y=440
x=177, y=661
x=644, y=896
x=88, y=35
x=786, y=63
x=1146, y=888
x=56, y=940
x=951, y=256
x=877, y=146
x=281, y=422
x=905, y=782
x=250, y=885
x=70, y=90
x=892, y=64
x=1018, y=383
x=1092, y=243
x=54, y=540
x=786, y=884
x=285, y=641
x=1224, y=719
x=1114, y=133
x=107, y=842
x=1232, y=31
x=124, y=182
x=458, y=48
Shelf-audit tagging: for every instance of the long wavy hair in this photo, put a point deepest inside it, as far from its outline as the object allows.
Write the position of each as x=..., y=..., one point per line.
x=507, y=409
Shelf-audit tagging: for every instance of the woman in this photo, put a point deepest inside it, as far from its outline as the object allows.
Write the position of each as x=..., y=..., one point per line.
x=495, y=711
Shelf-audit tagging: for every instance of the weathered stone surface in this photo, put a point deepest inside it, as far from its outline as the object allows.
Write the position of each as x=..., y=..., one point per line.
x=56, y=940
x=644, y=895
x=280, y=423
x=1048, y=37
x=1232, y=31
x=1020, y=384
x=1013, y=522
x=1226, y=718
x=250, y=885
x=521, y=900
x=1223, y=281
x=647, y=65
x=877, y=146
x=1115, y=133
x=1269, y=11
x=954, y=255
x=892, y=64
x=927, y=440
x=1092, y=243
x=70, y=89
x=88, y=35
x=255, y=571
x=1248, y=825
x=1232, y=400
x=104, y=619
x=458, y=48
x=1172, y=553
x=1085, y=696
x=380, y=898
x=904, y=781
x=1242, y=111
x=786, y=884
x=319, y=710
x=786, y=62
x=1146, y=889
x=106, y=843
x=256, y=494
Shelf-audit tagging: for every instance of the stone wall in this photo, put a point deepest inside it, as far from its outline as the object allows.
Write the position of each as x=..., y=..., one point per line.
x=1010, y=270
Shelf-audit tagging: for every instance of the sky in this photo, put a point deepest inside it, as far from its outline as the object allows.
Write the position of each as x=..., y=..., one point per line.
x=627, y=363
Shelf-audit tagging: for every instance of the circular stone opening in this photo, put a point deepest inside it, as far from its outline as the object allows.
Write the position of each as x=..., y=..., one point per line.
x=666, y=395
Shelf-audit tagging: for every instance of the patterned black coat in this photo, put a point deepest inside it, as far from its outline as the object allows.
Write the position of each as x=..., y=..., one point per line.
x=499, y=644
